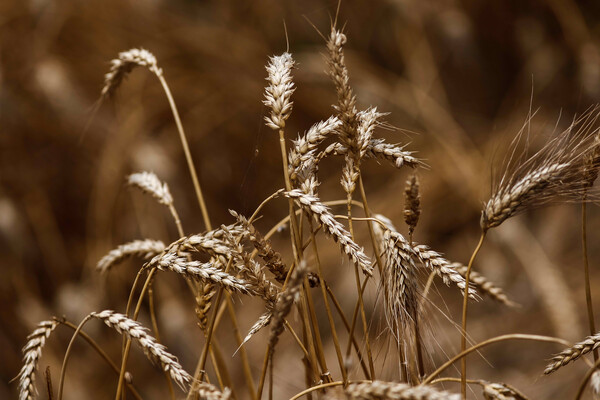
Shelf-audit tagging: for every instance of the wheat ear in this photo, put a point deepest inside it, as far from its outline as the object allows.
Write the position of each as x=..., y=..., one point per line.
x=206, y=391
x=155, y=351
x=149, y=183
x=32, y=352
x=484, y=286
x=145, y=249
x=120, y=67
x=573, y=353
x=279, y=91
x=378, y=390
x=312, y=205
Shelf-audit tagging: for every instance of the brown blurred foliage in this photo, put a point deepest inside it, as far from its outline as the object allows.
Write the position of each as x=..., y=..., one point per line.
x=458, y=78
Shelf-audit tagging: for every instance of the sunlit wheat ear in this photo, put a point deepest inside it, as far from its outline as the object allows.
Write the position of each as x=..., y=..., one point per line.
x=412, y=203
x=278, y=93
x=200, y=271
x=302, y=153
x=313, y=206
x=145, y=249
x=155, y=351
x=149, y=183
x=377, y=149
x=556, y=172
x=283, y=305
x=400, y=287
x=206, y=391
x=122, y=66
x=32, y=352
x=574, y=352
x=378, y=390
x=346, y=106
x=484, y=286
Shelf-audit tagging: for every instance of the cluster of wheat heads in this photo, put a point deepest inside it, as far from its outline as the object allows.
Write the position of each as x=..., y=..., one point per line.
x=222, y=264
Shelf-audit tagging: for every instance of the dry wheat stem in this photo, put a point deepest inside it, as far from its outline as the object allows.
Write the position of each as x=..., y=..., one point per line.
x=378, y=390
x=32, y=352
x=145, y=249
x=573, y=353
x=155, y=351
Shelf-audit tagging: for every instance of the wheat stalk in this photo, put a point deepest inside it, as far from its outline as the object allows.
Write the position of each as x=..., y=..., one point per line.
x=32, y=352
x=155, y=351
x=145, y=249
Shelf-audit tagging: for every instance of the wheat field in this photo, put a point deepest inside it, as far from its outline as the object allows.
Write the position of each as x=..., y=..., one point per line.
x=321, y=200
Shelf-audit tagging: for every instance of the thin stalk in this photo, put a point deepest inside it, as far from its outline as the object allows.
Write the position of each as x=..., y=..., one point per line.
x=101, y=352
x=323, y=386
x=315, y=328
x=419, y=350
x=63, y=370
x=585, y=380
x=463, y=337
x=513, y=336
x=347, y=325
x=157, y=336
x=186, y=151
x=334, y=335
x=243, y=354
x=586, y=271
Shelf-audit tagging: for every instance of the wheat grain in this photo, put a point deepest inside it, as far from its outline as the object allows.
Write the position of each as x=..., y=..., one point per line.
x=574, y=352
x=155, y=351
x=124, y=64
x=32, y=352
x=145, y=249
x=377, y=149
x=378, y=390
x=279, y=91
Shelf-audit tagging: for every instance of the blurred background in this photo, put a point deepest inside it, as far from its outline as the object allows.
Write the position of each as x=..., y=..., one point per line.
x=458, y=78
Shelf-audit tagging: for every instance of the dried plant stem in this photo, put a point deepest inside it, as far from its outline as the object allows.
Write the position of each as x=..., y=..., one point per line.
x=585, y=380
x=347, y=325
x=360, y=302
x=188, y=154
x=586, y=271
x=157, y=337
x=463, y=336
x=334, y=335
x=63, y=370
x=243, y=353
x=502, y=338
x=101, y=352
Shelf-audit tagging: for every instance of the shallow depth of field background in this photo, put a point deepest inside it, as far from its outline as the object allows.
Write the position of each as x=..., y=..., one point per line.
x=457, y=77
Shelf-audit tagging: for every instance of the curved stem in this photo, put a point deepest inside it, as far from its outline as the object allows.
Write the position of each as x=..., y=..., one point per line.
x=585, y=380
x=586, y=271
x=514, y=336
x=63, y=370
x=186, y=150
x=463, y=337
x=323, y=386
